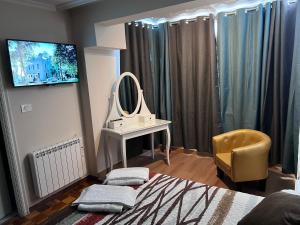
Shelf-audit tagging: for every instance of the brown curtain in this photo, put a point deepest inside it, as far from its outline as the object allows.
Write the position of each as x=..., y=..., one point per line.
x=194, y=89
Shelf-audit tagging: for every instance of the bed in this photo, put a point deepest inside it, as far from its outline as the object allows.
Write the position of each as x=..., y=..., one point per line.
x=171, y=200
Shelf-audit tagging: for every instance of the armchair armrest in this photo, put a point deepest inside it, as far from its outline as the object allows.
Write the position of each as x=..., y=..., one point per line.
x=224, y=143
x=250, y=162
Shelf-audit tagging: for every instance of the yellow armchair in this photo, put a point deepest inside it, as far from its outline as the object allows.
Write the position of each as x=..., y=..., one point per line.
x=242, y=154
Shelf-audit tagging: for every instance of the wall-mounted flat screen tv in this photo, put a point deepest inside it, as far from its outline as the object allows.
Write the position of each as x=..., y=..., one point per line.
x=42, y=63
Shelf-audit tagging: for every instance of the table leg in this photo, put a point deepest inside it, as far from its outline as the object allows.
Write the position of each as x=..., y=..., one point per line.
x=168, y=143
x=106, y=139
x=123, y=152
x=152, y=144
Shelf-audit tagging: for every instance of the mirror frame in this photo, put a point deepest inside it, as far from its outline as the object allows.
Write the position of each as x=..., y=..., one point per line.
x=139, y=90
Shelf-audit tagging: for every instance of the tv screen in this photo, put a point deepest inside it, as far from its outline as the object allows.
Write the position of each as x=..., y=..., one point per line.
x=38, y=63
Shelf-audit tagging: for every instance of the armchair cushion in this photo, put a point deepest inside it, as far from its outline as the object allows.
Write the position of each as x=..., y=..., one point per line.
x=224, y=161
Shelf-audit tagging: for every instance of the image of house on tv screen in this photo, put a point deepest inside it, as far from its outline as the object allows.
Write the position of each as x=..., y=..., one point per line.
x=36, y=63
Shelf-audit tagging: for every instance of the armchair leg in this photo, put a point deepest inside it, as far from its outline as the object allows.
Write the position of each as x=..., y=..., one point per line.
x=220, y=173
x=262, y=184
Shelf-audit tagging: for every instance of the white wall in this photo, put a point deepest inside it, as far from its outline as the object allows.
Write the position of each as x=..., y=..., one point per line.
x=102, y=71
x=56, y=109
x=110, y=36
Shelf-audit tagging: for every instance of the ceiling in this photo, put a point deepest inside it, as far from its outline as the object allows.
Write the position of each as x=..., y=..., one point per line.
x=53, y=4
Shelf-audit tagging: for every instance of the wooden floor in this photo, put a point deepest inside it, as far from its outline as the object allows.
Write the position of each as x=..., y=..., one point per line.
x=185, y=164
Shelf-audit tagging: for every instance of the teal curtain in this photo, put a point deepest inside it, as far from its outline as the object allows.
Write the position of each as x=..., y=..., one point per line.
x=276, y=75
x=240, y=43
x=164, y=81
x=159, y=56
x=259, y=59
x=154, y=62
x=293, y=119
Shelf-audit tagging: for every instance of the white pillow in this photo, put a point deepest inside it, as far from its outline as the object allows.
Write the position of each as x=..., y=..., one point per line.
x=128, y=176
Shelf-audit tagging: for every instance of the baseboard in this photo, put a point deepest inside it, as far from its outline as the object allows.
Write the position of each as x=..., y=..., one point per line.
x=8, y=217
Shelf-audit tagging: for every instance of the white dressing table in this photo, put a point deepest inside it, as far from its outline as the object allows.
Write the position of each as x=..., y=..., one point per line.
x=121, y=126
x=136, y=130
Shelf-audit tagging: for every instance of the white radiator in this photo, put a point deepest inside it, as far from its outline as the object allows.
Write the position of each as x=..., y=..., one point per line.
x=57, y=166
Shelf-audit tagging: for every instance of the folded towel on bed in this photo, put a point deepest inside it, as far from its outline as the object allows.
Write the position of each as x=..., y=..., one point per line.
x=125, y=182
x=111, y=208
x=106, y=198
x=128, y=176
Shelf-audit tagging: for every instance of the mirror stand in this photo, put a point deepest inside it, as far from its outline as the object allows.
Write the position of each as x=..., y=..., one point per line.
x=118, y=118
x=113, y=115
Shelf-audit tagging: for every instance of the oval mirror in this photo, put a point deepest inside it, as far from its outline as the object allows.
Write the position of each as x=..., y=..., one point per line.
x=128, y=94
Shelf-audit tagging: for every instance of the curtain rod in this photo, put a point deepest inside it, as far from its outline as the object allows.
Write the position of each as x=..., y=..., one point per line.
x=171, y=23
x=226, y=14
x=246, y=11
x=189, y=20
x=143, y=24
x=254, y=8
